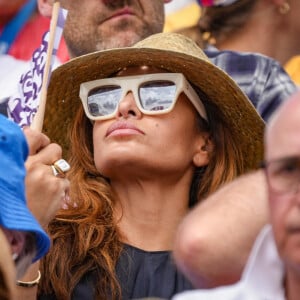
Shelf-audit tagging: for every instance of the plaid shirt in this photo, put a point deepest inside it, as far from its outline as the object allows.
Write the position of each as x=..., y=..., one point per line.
x=261, y=78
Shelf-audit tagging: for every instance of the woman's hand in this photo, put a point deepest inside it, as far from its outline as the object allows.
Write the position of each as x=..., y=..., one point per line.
x=45, y=192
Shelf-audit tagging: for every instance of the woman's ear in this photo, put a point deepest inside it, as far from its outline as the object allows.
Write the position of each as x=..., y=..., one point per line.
x=45, y=7
x=204, y=150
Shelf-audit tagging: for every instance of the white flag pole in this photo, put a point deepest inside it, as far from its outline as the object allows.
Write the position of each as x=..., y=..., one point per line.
x=38, y=120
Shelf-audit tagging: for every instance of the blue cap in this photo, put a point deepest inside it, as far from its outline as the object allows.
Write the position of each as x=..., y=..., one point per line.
x=14, y=213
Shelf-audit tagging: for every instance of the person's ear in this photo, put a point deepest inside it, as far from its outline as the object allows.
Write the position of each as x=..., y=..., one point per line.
x=45, y=7
x=283, y=6
x=203, y=153
x=16, y=240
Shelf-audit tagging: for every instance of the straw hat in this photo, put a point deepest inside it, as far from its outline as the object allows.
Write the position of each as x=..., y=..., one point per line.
x=14, y=213
x=170, y=51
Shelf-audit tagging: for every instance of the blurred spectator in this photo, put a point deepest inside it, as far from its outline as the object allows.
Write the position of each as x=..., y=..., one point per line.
x=27, y=239
x=268, y=27
x=22, y=238
x=21, y=29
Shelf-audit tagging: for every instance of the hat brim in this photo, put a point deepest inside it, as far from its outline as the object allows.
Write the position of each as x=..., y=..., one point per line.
x=15, y=215
x=63, y=92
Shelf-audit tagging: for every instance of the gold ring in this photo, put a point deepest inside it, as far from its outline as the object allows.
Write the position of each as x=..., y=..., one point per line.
x=61, y=166
x=55, y=172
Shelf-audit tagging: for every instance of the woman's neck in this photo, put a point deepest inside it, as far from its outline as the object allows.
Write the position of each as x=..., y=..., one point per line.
x=149, y=211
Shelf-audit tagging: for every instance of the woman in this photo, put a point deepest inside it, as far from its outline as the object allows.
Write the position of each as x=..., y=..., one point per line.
x=160, y=128
x=268, y=27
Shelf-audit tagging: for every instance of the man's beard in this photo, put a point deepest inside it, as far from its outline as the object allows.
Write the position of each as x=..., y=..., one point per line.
x=94, y=35
x=124, y=34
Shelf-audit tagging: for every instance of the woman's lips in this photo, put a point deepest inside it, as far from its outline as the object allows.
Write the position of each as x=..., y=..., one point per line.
x=122, y=128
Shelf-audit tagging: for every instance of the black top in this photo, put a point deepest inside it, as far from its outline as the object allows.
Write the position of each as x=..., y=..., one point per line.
x=141, y=274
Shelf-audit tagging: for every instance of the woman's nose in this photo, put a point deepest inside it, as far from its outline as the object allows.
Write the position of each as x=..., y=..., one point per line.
x=127, y=107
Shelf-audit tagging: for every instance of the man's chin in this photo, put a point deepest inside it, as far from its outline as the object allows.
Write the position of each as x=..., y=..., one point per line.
x=120, y=40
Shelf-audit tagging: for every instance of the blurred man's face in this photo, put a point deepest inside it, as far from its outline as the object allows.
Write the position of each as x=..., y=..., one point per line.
x=283, y=155
x=97, y=25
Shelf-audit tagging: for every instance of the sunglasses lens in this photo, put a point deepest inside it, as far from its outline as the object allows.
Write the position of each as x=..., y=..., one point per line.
x=103, y=101
x=157, y=95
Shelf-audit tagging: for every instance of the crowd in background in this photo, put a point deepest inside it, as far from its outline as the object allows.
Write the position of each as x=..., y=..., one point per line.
x=169, y=162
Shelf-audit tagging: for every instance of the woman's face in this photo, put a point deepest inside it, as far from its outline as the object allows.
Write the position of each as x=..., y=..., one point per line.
x=147, y=145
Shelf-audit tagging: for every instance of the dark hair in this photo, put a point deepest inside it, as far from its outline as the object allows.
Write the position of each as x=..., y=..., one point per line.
x=226, y=161
x=30, y=246
x=217, y=22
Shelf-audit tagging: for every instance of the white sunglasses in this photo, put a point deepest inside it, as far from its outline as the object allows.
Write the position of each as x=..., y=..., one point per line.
x=153, y=93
